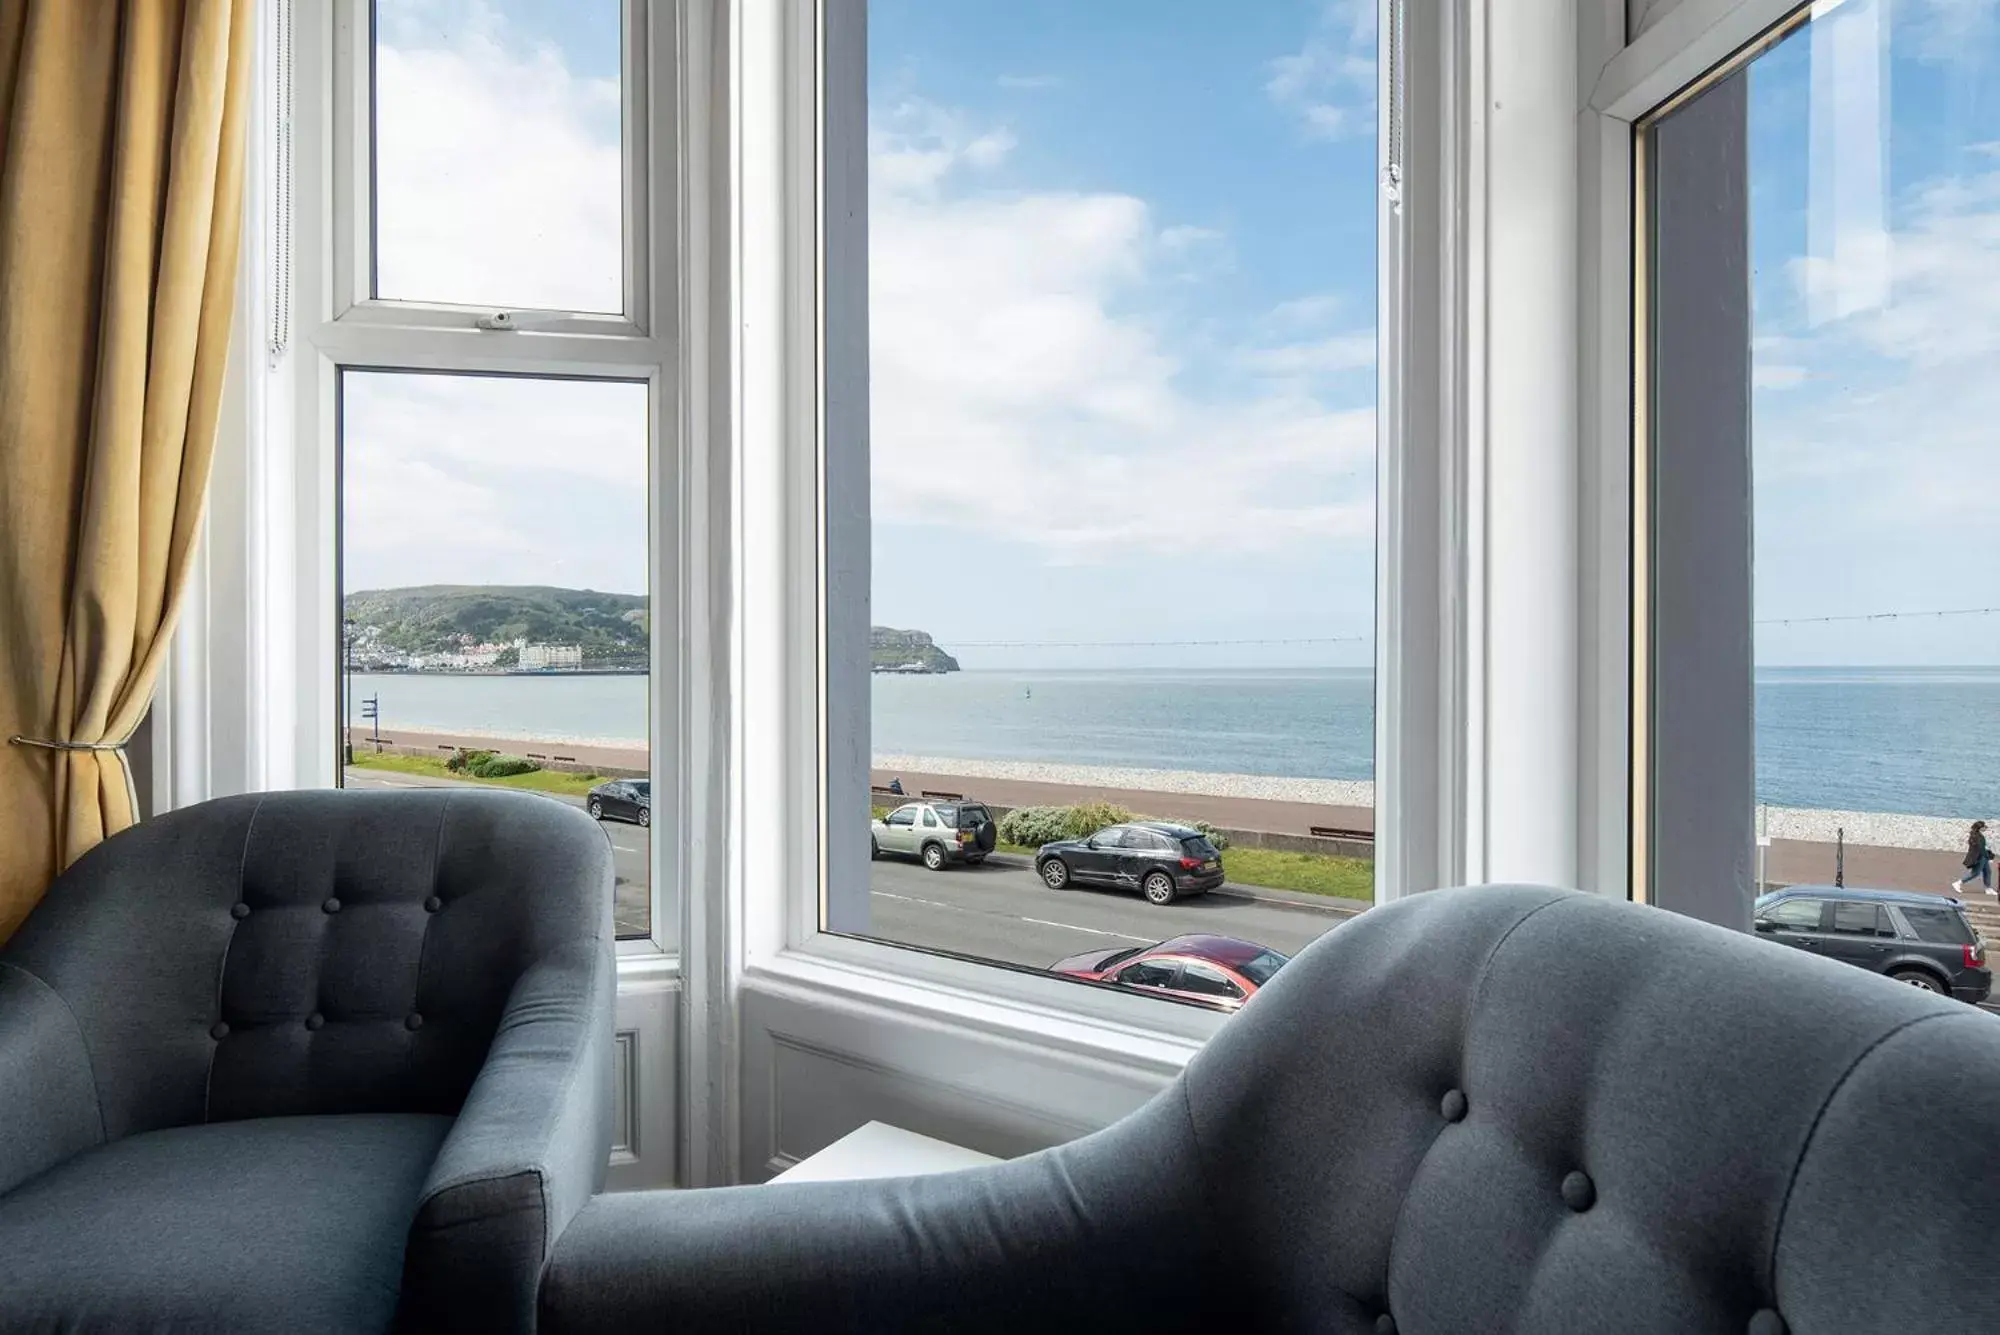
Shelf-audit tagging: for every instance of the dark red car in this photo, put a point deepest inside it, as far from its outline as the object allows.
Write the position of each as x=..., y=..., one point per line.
x=1215, y=970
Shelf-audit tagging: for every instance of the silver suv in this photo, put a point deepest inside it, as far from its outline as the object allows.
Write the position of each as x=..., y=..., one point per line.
x=940, y=833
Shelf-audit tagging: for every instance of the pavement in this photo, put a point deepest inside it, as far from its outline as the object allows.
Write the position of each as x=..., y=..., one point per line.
x=1229, y=813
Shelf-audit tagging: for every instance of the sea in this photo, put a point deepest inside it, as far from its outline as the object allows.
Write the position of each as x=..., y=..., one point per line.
x=1908, y=740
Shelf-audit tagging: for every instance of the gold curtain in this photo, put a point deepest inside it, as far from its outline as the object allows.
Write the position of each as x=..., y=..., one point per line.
x=122, y=126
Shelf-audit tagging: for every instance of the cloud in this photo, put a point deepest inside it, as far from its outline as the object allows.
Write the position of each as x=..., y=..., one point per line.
x=1329, y=82
x=499, y=185
x=499, y=171
x=1948, y=32
x=1325, y=356
x=1895, y=439
x=913, y=144
x=493, y=479
x=1028, y=380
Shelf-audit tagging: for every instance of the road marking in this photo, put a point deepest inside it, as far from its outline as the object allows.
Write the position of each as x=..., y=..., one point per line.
x=1094, y=931
x=931, y=903
x=1039, y=922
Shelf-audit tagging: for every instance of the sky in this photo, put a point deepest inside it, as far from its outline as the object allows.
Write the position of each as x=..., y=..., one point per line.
x=1122, y=299
x=1875, y=244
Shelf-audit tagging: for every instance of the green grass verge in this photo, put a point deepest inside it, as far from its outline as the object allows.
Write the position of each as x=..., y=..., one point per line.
x=1313, y=873
x=540, y=781
x=1310, y=873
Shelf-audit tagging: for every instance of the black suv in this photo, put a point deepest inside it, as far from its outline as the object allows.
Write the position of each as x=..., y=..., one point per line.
x=1922, y=940
x=1157, y=858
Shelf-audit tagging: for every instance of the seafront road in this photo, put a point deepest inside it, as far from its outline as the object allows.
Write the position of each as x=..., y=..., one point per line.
x=998, y=911
x=1002, y=911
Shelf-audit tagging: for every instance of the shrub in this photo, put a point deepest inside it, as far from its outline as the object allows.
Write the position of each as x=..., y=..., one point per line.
x=1031, y=827
x=501, y=767
x=466, y=761
x=1089, y=818
x=1208, y=832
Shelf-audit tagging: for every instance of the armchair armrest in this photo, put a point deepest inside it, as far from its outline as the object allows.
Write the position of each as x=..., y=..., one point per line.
x=1048, y=1242
x=529, y=1147
x=48, y=1098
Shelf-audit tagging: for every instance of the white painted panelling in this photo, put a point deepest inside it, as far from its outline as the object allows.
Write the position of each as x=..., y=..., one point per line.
x=645, y=1136
x=814, y=1070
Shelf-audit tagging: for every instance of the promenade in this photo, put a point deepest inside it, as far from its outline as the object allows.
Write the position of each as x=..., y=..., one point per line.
x=1924, y=858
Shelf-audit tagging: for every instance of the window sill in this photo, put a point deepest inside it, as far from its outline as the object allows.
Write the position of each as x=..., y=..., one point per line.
x=643, y=966
x=1154, y=1039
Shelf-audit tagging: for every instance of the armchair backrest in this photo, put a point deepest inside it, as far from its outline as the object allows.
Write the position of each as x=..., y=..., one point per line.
x=312, y=952
x=1522, y=1109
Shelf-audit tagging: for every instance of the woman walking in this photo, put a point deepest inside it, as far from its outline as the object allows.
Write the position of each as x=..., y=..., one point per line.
x=1978, y=860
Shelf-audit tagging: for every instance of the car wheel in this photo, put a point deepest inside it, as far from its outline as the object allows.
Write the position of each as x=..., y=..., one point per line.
x=646, y=816
x=1159, y=888
x=1918, y=978
x=934, y=856
x=596, y=809
x=874, y=850
x=1055, y=873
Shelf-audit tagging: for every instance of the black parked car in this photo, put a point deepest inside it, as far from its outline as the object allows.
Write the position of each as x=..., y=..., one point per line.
x=1922, y=940
x=622, y=799
x=1158, y=859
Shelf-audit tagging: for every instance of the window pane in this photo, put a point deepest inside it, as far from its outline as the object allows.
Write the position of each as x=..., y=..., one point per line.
x=493, y=574
x=1121, y=429
x=1827, y=236
x=1859, y=919
x=1797, y=914
x=499, y=174
x=1940, y=926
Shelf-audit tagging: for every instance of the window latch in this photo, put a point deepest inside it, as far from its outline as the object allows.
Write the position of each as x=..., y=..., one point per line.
x=501, y=320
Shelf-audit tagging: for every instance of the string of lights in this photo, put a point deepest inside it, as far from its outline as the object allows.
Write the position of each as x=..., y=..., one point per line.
x=1879, y=616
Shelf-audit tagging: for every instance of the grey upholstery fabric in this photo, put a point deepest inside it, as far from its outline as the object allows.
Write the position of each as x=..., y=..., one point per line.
x=285, y=1223
x=1488, y=1109
x=309, y=955
x=48, y=1107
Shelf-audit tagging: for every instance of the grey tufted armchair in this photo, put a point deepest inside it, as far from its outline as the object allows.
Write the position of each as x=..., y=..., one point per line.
x=306, y=1061
x=1476, y=1110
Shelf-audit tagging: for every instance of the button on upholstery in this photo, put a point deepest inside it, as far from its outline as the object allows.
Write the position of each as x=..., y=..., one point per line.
x=239, y=910
x=414, y=1022
x=433, y=904
x=315, y=1021
x=332, y=905
x=1453, y=1105
x=1385, y=1325
x=219, y=1032
x=1579, y=1192
x=1767, y=1322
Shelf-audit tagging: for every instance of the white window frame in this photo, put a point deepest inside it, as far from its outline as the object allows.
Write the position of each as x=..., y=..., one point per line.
x=248, y=700
x=342, y=327
x=1621, y=85
x=786, y=311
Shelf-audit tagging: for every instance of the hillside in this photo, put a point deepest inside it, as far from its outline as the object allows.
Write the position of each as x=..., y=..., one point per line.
x=440, y=618
x=907, y=651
